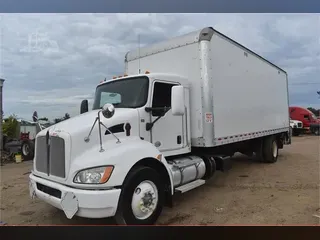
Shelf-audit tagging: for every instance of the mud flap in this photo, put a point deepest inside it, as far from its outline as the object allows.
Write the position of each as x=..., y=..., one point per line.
x=288, y=137
x=70, y=204
x=223, y=163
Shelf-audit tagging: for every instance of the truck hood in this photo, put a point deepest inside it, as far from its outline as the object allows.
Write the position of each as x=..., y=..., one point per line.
x=76, y=129
x=85, y=121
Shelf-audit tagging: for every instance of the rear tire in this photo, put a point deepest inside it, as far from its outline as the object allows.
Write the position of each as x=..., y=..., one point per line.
x=142, y=198
x=267, y=150
x=270, y=149
x=27, y=150
x=210, y=167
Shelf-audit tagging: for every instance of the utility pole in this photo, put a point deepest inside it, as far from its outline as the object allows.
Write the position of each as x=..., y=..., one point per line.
x=1, y=113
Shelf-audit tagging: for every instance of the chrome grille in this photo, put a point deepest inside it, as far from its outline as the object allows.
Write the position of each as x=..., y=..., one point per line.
x=55, y=165
x=41, y=155
x=57, y=157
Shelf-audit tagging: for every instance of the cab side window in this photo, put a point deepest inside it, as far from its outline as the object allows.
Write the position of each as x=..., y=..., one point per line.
x=161, y=97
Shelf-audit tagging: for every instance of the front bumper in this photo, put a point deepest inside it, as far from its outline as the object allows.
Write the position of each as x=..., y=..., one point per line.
x=297, y=129
x=82, y=203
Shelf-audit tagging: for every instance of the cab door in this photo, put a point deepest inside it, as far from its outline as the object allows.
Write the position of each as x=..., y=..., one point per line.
x=167, y=130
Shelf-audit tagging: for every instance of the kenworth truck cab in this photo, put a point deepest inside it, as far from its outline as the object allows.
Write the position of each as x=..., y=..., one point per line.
x=105, y=144
x=163, y=129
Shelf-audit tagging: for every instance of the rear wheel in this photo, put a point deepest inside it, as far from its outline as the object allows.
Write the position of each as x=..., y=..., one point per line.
x=268, y=150
x=142, y=198
x=27, y=150
x=210, y=164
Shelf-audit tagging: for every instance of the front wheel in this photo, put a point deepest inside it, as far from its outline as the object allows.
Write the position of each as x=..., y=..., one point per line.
x=295, y=132
x=315, y=130
x=142, y=198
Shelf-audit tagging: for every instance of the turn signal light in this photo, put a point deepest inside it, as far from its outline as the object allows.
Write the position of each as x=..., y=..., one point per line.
x=106, y=174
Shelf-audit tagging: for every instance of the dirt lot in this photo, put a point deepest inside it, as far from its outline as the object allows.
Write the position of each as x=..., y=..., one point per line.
x=286, y=192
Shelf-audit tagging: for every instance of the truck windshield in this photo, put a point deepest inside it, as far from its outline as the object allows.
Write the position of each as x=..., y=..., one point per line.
x=124, y=93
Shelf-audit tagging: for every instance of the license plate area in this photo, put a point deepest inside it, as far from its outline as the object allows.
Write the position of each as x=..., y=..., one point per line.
x=49, y=190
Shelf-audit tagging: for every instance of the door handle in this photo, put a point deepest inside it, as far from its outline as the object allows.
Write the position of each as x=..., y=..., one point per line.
x=179, y=139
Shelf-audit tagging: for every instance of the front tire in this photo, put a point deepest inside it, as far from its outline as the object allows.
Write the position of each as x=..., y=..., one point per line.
x=295, y=133
x=142, y=198
x=315, y=130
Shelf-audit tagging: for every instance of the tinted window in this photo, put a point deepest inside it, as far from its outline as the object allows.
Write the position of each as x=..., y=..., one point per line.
x=161, y=96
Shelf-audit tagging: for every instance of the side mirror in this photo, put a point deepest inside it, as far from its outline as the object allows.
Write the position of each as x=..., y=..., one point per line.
x=108, y=110
x=84, y=106
x=177, y=101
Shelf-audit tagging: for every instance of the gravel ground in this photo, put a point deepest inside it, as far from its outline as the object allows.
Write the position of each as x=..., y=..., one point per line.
x=286, y=192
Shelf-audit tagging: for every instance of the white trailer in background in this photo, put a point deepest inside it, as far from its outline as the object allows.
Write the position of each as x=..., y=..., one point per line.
x=184, y=107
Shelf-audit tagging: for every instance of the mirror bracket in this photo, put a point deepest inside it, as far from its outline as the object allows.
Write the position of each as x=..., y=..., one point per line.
x=150, y=109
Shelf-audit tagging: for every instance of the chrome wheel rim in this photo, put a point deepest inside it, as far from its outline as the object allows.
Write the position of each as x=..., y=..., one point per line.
x=144, y=200
x=275, y=149
x=25, y=149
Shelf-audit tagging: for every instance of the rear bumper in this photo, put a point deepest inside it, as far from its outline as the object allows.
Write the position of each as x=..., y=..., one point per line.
x=82, y=203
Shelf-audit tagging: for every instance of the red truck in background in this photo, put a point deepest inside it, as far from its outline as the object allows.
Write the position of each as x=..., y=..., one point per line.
x=310, y=121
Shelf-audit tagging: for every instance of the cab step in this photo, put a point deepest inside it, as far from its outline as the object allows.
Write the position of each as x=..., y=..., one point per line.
x=189, y=186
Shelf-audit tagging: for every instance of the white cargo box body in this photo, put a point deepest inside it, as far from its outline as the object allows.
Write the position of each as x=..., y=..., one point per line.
x=234, y=93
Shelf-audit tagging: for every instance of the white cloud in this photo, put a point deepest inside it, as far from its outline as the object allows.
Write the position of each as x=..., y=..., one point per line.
x=75, y=51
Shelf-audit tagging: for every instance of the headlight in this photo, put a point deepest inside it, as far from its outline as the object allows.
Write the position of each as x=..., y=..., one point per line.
x=98, y=175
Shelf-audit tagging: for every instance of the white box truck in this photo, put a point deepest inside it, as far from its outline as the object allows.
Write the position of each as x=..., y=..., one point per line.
x=180, y=112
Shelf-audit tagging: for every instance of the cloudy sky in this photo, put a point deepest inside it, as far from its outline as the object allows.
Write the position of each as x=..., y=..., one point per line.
x=74, y=52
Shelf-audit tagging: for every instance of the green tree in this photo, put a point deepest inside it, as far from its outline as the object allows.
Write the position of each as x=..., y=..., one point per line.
x=44, y=119
x=57, y=120
x=314, y=111
x=10, y=127
x=66, y=116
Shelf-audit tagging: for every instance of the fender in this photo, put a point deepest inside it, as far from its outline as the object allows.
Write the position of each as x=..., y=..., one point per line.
x=122, y=156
